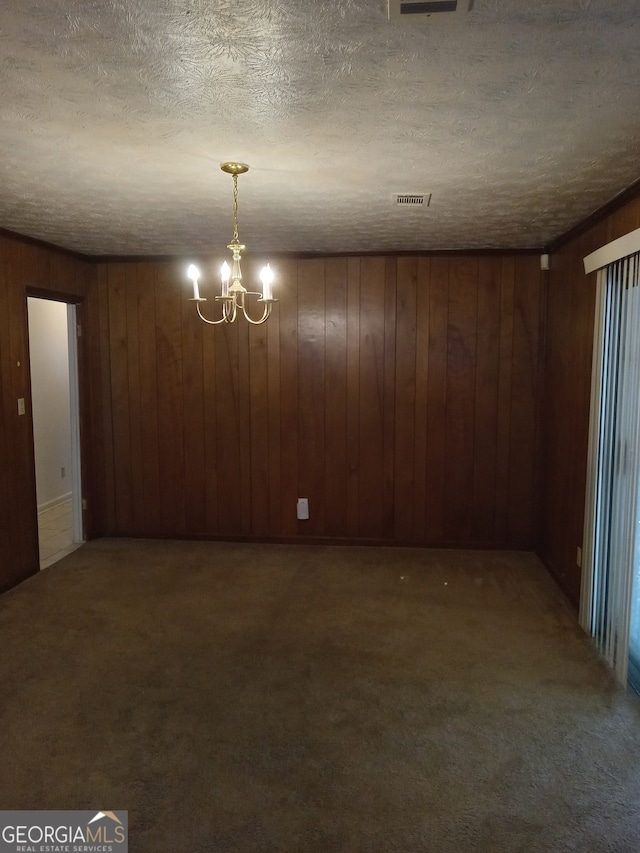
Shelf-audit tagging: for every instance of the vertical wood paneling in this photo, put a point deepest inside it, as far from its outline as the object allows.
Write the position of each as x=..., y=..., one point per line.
x=24, y=491
x=405, y=396
x=169, y=358
x=437, y=399
x=9, y=508
x=211, y=439
x=504, y=399
x=274, y=479
x=193, y=405
x=110, y=524
x=353, y=396
x=386, y=390
x=461, y=387
x=61, y=275
x=524, y=392
x=486, y=400
x=231, y=434
x=583, y=317
x=91, y=415
x=371, y=380
x=120, y=398
x=134, y=385
x=567, y=373
x=558, y=452
x=243, y=397
x=623, y=221
x=259, y=418
x=311, y=393
x=13, y=391
x=150, y=454
x=335, y=413
x=422, y=398
x=288, y=310
x=389, y=440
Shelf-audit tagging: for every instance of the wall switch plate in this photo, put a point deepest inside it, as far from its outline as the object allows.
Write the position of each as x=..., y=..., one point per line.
x=303, y=509
x=21, y=409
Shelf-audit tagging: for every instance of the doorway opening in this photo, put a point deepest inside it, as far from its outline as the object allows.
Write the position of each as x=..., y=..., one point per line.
x=56, y=432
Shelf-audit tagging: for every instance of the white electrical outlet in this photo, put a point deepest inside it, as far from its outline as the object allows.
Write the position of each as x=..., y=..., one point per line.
x=303, y=509
x=21, y=409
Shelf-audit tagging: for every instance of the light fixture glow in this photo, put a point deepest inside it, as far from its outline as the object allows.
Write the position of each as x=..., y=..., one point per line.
x=266, y=277
x=194, y=274
x=233, y=296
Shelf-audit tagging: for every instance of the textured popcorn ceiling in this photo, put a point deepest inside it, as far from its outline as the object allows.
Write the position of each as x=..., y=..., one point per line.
x=520, y=117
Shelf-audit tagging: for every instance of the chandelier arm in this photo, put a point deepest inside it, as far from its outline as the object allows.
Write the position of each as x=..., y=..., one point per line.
x=265, y=315
x=204, y=319
x=230, y=308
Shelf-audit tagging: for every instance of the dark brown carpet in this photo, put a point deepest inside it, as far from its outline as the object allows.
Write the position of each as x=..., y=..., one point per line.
x=282, y=698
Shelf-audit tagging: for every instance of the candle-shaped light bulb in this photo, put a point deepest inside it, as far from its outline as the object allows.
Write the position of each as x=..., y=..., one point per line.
x=225, y=272
x=266, y=277
x=194, y=274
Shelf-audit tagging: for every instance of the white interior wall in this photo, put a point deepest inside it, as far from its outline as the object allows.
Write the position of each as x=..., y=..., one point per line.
x=49, y=351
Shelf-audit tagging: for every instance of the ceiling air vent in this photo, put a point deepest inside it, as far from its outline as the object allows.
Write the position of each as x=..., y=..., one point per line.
x=413, y=200
x=410, y=8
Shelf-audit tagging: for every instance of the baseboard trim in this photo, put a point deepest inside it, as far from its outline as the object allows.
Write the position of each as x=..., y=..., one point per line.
x=430, y=544
x=54, y=502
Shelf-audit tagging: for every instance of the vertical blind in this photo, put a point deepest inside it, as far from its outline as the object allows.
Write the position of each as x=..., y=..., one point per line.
x=613, y=474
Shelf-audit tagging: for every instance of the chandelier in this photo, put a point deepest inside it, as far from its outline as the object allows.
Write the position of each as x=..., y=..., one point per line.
x=234, y=295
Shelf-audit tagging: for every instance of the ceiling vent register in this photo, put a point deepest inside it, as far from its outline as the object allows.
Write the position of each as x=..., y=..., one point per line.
x=413, y=200
x=402, y=8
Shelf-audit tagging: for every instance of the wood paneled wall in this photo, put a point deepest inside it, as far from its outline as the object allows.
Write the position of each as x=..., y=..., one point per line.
x=398, y=394
x=567, y=382
x=26, y=268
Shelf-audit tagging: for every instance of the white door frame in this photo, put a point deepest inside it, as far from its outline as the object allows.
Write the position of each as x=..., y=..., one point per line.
x=73, y=330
